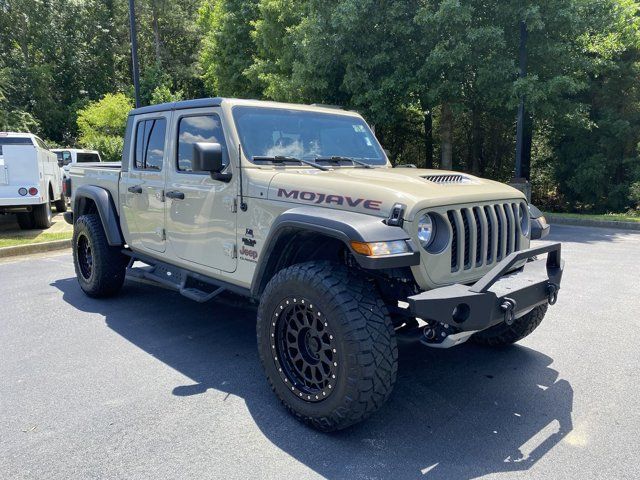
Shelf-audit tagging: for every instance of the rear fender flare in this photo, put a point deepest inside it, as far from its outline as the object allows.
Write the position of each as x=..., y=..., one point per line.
x=106, y=211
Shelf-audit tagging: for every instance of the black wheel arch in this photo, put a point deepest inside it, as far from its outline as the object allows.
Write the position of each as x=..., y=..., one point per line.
x=309, y=233
x=93, y=199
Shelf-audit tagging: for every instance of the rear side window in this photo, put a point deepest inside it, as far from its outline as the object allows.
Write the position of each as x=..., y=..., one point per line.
x=197, y=129
x=14, y=141
x=87, y=157
x=150, y=135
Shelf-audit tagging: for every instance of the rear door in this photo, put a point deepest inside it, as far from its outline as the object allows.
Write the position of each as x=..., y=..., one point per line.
x=201, y=223
x=18, y=165
x=143, y=183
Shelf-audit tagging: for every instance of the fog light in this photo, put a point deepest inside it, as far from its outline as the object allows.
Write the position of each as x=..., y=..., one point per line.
x=377, y=249
x=33, y=191
x=22, y=191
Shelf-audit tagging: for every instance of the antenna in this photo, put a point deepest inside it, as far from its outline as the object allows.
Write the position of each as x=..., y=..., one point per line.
x=243, y=205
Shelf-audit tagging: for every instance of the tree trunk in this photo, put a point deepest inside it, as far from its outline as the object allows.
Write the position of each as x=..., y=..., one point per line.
x=477, y=163
x=428, y=139
x=446, y=137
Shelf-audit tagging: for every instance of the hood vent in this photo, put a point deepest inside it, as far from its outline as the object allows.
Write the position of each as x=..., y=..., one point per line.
x=445, y=179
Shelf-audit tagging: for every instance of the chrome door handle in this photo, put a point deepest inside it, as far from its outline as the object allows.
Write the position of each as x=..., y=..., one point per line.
x=175, y=195
x=135, y=189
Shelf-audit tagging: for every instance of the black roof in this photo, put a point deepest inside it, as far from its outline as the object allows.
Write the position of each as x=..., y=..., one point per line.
x=164, y=107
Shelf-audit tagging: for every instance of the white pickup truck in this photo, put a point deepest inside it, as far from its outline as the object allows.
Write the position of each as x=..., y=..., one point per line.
x=30, y=180
x=70, y=156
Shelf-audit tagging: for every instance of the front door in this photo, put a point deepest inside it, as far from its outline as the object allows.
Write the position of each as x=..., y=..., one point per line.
x=201, y=218
x=144, y=184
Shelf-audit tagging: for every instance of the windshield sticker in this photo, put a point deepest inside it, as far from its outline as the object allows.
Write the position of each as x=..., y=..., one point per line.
x=358, y=128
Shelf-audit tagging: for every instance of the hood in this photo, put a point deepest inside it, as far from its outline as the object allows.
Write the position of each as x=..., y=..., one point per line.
x=374, y=191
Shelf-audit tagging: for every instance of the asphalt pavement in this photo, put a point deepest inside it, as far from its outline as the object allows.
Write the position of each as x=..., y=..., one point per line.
x=152, y=385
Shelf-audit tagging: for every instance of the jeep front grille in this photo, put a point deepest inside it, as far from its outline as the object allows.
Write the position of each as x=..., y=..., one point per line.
x=484, y=235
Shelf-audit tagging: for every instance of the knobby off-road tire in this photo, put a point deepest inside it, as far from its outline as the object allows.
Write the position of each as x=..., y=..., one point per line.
x=100, y=268
x=327, y=344
x=61, y=205
x=503, y=334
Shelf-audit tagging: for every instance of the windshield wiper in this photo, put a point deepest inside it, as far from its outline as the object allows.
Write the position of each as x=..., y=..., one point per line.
x=281, y=159
x=337, y=159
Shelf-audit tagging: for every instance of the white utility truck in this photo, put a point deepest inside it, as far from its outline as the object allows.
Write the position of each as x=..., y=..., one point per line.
x=30, y=180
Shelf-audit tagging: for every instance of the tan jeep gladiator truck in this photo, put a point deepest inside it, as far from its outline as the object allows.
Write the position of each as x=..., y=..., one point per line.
x=298, y=208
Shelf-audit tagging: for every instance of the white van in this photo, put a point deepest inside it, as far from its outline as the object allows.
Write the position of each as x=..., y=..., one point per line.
x=30, y=180
x=70, y=156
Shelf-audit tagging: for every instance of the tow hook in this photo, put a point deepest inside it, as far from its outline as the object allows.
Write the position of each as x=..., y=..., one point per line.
x=552, y=293
x=508, y=307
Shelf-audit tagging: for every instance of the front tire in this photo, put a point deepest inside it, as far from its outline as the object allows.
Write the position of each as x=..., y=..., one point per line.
x=100, y=268
x=502, y=334
x=327, y=344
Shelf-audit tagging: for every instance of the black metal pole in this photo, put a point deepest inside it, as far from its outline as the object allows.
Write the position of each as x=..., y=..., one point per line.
x=521, y=112
x=134, y=51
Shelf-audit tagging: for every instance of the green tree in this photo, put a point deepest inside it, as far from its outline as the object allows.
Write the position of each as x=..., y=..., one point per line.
x=102, y=125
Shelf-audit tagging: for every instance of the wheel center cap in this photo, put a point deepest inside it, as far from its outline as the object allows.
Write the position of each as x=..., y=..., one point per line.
x=314, y=345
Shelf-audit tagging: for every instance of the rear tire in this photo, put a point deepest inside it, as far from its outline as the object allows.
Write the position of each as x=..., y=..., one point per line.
x=327, y=344
x=502, y=334
x=61, y=205
x=25, y=220
x=42, y=215
x=100, y=268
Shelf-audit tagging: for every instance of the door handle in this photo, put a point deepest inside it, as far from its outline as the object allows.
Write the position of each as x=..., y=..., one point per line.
x=175, y=195
x=135, y=189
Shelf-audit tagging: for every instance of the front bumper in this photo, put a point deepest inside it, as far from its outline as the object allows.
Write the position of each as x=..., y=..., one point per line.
x=498, y=296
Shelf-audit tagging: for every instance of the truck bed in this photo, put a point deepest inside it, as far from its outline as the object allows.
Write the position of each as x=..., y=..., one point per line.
x=101, y=174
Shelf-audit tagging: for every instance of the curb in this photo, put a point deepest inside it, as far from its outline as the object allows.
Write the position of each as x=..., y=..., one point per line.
x=592, y=223
x=34, y=248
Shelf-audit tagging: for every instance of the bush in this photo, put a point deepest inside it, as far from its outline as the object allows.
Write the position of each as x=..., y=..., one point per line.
x=102, y=125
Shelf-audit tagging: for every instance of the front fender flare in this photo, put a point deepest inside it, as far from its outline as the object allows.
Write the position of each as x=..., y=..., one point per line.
x=106, y=211
x=342, y=225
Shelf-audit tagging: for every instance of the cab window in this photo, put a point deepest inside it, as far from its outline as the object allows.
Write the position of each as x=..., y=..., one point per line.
x=196, y=129
x=150, y=135
x=87, y=157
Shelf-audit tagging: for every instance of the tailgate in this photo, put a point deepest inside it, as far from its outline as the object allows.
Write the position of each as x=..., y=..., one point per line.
x=18, y=168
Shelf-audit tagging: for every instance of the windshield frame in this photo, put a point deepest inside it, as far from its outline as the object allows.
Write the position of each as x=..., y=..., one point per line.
x=383, y=161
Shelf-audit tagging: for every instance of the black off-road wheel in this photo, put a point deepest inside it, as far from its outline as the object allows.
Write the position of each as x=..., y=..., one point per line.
x=100, y=268
x=327, y=344
x=61, y=205
x=502, y=334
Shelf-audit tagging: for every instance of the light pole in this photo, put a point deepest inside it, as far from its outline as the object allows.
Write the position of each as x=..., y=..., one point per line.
x=134, y=52
x=522, y=156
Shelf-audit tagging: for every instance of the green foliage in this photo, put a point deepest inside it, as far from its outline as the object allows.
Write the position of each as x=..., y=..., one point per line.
x=102, y=124
x=437, y=78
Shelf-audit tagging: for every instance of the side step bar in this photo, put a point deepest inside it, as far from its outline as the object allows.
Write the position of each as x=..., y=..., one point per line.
x=194, y=286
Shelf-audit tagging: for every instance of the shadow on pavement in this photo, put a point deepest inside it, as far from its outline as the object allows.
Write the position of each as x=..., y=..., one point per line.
x=458, y=413
x=589, y=235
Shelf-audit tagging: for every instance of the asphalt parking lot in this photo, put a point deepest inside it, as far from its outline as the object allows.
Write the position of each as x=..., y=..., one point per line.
x=152, y=385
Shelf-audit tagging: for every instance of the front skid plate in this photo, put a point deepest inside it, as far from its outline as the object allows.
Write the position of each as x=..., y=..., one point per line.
x=497, y=296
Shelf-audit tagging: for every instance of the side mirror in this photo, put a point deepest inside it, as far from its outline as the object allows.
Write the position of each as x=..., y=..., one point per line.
x=207, y=157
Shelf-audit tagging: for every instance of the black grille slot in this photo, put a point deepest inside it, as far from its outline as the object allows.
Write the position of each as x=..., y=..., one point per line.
x=454, y=241
x=516, y=214
x=476, y=216
x=509, y=227
x=467, y=239
x=496, y=209
x=490, y=228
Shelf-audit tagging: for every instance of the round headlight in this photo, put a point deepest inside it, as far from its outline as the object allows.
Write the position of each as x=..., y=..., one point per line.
x=426, y=230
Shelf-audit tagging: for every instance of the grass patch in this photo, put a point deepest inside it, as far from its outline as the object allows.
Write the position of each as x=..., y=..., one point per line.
x=11, y=240
x=611, y=217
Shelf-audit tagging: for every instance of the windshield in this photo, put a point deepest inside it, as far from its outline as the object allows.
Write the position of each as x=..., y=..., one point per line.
x=271, y=132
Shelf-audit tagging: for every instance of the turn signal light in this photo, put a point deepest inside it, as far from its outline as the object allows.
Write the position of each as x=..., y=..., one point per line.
x=377, y=249
x=33, y=191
